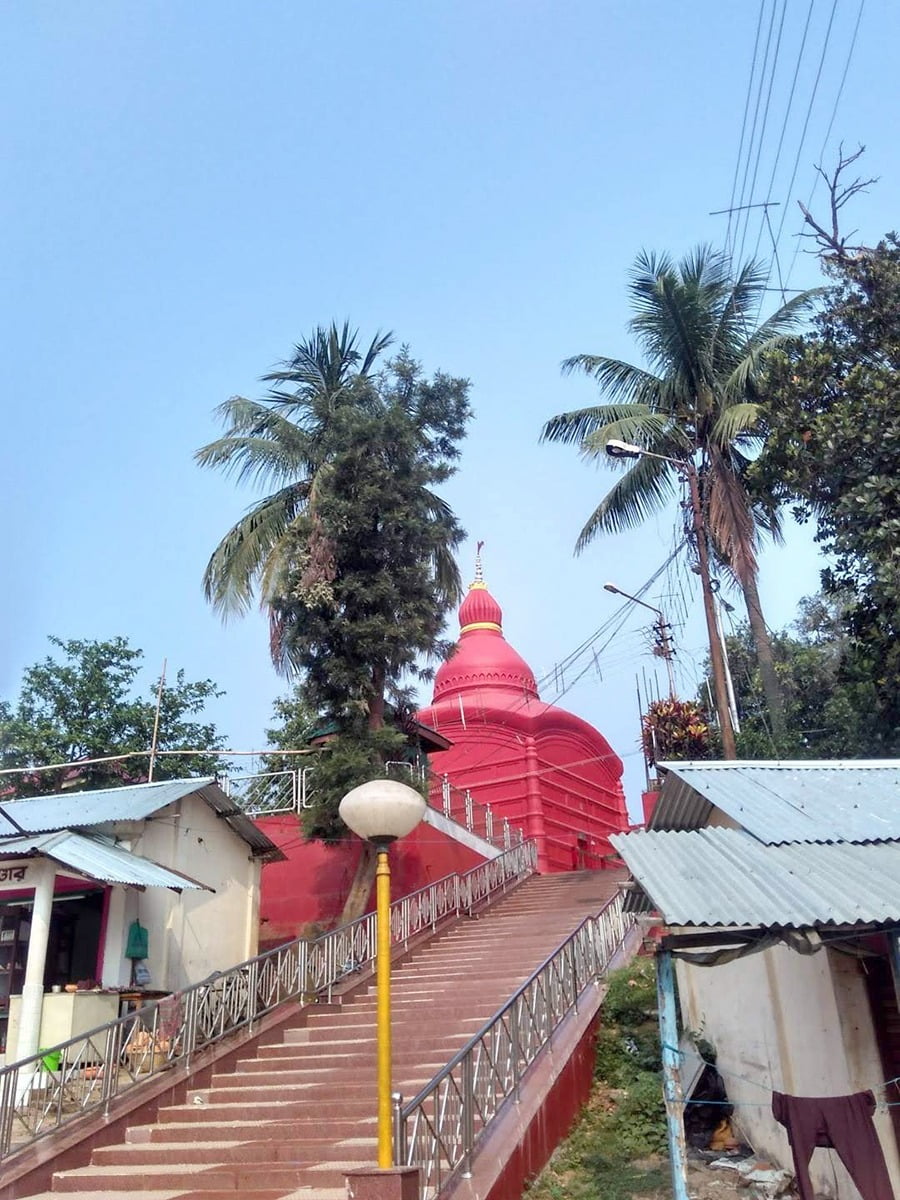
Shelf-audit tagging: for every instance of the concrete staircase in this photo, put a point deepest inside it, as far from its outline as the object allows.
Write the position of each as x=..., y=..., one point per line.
x=291, y=1120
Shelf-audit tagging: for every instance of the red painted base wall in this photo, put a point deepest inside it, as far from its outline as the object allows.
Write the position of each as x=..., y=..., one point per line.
x=551, y=1123
x=305, y=894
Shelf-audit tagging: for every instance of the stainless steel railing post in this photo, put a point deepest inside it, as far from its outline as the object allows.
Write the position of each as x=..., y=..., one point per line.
x=399, y=1130
x=468, y=1114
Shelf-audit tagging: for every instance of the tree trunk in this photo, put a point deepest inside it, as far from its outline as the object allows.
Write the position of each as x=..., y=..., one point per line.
x=376, y=704
x=765, y=657
x=361, y=887
x=364, y=878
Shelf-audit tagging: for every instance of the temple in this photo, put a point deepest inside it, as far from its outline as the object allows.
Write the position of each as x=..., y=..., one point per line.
x=545, y=769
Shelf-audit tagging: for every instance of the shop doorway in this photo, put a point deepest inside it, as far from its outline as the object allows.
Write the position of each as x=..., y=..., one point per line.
x=73, y=949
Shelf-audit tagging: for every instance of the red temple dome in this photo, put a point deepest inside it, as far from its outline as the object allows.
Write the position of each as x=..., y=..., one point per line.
x=480, y=610
x=543, y=769
x=484, y=658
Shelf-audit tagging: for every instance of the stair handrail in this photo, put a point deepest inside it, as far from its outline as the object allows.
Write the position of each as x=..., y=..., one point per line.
x=439, y=1129
x=61, y=1083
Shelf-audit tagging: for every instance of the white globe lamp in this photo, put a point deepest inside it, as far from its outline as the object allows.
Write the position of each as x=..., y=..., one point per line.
x=382, y=810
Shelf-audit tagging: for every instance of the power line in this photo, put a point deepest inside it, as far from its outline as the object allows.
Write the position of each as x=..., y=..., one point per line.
x=759, y=92
x=762, y=132
x=809, y=109
x=787, y=114
x=837, y=100
x=737, y=164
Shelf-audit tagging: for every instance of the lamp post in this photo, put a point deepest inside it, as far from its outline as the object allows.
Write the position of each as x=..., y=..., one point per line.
x=380, y=812
x=662, y=628
x=686, y=468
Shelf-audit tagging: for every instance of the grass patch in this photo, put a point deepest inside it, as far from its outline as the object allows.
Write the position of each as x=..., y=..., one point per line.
x=616, y=1150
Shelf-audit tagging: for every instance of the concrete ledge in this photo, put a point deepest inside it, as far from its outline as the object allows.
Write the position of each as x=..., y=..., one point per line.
x=388, y=1183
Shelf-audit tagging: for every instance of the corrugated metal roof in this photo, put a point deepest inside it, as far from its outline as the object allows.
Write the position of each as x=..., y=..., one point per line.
x=78, y=810
x=719, y=876
x=106, y=806
x=854, y=801
x=97, y=859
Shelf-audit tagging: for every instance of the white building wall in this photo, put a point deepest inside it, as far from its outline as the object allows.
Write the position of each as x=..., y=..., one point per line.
x=798, y=1024
x=194, y=933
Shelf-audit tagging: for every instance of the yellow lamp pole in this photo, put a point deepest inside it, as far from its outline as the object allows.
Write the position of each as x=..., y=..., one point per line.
x=382, y=811
x=383, y=1005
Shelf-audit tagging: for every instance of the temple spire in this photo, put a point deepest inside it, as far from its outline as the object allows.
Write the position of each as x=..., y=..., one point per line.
x=478, y=581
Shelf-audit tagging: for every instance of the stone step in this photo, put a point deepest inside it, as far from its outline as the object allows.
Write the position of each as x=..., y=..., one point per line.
x=316, y=1105
x=328, y=1038
x=339, y=1067
x=350, y=1084
x=190, y=1176
x=334, y=1128
x=334, y=1040
x=307, y=1151
x=200, y=1194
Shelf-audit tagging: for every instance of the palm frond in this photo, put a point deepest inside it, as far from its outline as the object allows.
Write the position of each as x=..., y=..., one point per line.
x=643, y=490
x=444, y=564
x=237, y=562
x=730, y=519
x=655, y=432
x=377, y=347
x=573, y=427
x=788, y=317
x=733, y=422
x=621, y=381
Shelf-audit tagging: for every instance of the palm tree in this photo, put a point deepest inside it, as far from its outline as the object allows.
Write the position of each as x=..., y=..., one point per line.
x=696, y=401
x=281, y=440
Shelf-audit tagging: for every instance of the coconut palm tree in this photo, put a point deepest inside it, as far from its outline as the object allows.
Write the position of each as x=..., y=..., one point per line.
x=281, y=440
x=695, y=401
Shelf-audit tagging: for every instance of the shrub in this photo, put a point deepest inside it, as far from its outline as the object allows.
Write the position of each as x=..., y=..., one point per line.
x=631, y=994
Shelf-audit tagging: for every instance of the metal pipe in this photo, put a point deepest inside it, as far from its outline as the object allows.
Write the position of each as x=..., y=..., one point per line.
x=383, y=1005
x=668, y=1034
x=729, y=750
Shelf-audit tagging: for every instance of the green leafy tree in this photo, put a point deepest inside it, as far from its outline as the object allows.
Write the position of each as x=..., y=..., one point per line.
x=357, y=572
x=826, y=700
x=833, y=447
x=80, y=704
x=697, y=401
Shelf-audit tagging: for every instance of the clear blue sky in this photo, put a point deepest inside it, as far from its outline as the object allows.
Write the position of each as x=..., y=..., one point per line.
x=189, y=188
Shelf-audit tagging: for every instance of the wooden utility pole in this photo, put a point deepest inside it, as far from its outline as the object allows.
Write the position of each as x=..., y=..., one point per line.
x=716, y=658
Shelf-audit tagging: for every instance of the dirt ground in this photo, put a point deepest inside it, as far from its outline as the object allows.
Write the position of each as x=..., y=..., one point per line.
x=703, y=1182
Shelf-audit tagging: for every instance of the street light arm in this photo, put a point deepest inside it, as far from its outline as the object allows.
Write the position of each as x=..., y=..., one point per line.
x=618, y=449
x=611, y=587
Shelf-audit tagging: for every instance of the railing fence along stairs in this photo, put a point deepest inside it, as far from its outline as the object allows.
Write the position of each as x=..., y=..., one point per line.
x=439, y=1130
x=62, y=1083
x=270, y=793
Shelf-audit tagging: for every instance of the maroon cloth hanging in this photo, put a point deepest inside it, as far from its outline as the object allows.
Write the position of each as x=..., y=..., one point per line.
x=842, y=1123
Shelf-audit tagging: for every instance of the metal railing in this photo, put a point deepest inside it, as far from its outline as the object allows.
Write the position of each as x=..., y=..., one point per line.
x=269, y=793
x=61, y=1083
x=440, y=1128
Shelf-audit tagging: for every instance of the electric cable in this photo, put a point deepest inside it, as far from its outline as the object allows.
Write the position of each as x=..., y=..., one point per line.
x=837, y=100
x=737, y=165
x=765, y=121
x=809, y=109
x=784, y=123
